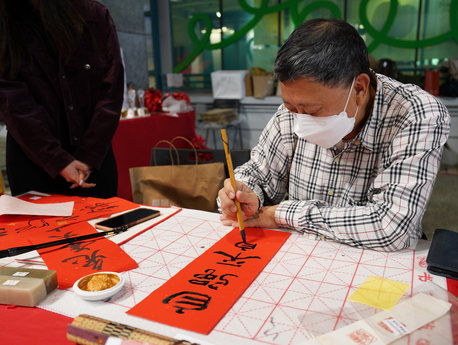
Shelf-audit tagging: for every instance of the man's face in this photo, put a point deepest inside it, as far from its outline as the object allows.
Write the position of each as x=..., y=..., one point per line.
x=306, y=97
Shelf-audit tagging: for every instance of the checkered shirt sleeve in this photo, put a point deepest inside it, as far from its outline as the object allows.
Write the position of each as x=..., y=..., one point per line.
x=373, y=194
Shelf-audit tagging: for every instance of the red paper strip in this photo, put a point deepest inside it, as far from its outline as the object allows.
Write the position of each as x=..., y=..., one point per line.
x=198, y=296
x=76, y=260
x=14, y=228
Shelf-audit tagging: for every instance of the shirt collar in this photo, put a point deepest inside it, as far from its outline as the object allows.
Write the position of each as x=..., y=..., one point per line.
x=368, y=133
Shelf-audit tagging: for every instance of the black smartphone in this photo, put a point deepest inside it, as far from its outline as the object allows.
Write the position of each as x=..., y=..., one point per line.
x=128, y=219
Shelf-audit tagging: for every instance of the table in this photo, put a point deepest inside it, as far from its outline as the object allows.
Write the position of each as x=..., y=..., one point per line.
x=135, y=138
x=278, y=293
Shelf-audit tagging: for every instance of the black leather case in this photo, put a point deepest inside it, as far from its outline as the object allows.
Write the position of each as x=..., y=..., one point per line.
x=442, y=257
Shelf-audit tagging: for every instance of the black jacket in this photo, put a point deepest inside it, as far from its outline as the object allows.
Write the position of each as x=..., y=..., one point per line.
x=56, y=106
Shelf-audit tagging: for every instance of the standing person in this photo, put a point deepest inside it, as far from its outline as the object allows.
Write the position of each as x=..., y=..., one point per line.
x=362, y=177
x=61, y=92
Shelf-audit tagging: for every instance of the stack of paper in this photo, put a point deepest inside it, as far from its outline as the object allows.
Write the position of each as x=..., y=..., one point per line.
x=220, y=116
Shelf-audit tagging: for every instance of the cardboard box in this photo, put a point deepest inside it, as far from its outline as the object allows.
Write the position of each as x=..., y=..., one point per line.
x=263, y=85
x=248, y=85
x=278, y=92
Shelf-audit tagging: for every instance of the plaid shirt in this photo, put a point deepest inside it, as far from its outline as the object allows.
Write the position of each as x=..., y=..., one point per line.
x=373, y=193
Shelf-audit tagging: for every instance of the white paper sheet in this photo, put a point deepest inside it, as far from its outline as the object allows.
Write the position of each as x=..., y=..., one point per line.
x=12, y=205
x=410, y=315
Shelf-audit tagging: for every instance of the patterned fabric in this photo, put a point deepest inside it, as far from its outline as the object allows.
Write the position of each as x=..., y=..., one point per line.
x=373, y=193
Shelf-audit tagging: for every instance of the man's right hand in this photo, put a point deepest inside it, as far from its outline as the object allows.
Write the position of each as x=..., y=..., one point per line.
x=248, y=200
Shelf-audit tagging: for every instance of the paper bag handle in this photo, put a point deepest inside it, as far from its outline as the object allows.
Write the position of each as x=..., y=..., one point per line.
x=170, y=148
x=190, y=143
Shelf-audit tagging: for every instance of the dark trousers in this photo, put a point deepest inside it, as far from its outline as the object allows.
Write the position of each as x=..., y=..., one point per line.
x=24, y=175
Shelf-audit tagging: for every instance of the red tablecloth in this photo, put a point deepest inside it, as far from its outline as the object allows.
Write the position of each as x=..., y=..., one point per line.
x=36, y=326
x=135, y=138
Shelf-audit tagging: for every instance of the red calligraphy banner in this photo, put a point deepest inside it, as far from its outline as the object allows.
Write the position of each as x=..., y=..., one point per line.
x=198, y=296
x=74, y=261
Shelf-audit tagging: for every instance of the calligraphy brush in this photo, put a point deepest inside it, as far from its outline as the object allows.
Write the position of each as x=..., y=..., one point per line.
x=24, y=249
x=231, y=174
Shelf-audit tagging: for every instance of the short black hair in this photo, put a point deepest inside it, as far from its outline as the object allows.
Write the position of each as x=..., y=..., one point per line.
x=329, y=51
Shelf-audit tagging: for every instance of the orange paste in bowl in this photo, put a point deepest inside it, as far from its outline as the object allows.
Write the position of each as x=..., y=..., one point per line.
x=98, y=282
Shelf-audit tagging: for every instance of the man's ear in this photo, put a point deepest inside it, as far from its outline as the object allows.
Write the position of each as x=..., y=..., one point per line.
x=362, y=83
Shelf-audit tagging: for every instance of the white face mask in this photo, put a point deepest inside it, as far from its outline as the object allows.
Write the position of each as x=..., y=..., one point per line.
x=325, y=131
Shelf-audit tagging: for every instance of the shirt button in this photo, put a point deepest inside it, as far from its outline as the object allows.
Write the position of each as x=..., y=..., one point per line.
x=70, y=107
x=330, y=192
x=336, y=160
x=75, y=138
x=63, y=77
x=87, y=66
x=357, y=142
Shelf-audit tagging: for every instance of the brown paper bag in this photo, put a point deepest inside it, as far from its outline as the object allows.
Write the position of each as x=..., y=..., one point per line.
x=263, y=85
x=189, y=186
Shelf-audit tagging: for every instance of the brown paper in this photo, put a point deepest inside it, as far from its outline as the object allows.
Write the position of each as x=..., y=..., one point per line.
x=248, y=85
x=263, y=85
x=190, y=186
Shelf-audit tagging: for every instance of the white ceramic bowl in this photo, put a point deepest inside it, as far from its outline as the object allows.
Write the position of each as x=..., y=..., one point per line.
x=98, y=295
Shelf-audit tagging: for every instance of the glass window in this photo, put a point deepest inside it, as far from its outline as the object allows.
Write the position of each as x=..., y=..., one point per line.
x=184, y=49
x=435, y=26
x=238, y=55
x=243, y=34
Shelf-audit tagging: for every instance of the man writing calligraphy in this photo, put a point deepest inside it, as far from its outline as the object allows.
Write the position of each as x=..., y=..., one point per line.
x=362, y=177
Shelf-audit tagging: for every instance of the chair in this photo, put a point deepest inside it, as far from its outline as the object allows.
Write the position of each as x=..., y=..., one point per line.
x=187, y=156
x=214, y=127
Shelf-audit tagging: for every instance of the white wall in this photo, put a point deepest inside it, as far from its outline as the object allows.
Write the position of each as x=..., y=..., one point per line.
x=257, y=112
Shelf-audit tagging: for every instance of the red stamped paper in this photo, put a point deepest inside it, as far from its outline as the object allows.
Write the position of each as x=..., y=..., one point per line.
x=361, y=337
x=198, y=296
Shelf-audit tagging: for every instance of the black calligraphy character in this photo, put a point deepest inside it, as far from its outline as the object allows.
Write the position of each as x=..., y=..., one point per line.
x=55, y=229
x=94, y=260
x=223, y=281
x=3, y=232
x=98, y=207
x=245, y=246
x=206, y=278
x=76, y=247
x=187, y=300
x=79, y=247
x=67, y=219
x=235, y=259
x=35, y=223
